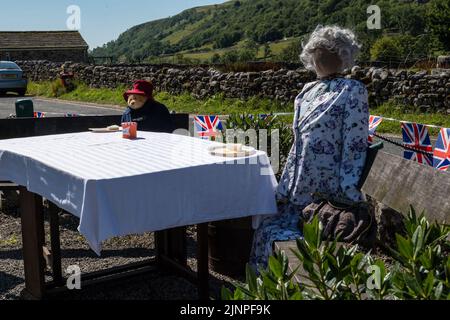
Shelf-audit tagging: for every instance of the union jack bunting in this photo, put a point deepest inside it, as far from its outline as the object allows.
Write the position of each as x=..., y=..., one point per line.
x=416, y=135
x=252, y=116
x=442, y=150
x=207, y=126
x=374, y=122
x=38, y=114
x=263, y=116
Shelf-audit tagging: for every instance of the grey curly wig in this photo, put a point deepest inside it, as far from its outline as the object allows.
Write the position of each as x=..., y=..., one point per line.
x=335, y=39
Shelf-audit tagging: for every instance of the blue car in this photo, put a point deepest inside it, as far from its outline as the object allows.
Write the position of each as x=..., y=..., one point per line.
x=12, y=78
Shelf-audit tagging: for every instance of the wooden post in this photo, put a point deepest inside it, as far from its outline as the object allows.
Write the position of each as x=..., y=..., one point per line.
x=202, y=261
x=172, y=244
x=33, y=241
x=55, y=244
x=177, y=245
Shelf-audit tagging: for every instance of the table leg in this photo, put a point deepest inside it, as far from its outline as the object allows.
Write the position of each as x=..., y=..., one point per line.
x=172, y=244
x=202, y=261
x=33, y=240
x=55, y=244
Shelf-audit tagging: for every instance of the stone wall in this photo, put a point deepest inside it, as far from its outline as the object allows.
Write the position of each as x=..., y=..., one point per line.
x=427, y=92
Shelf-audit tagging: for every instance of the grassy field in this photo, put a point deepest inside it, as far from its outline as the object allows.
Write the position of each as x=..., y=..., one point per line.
x=219, y=105
x=176, y=37
x=276, y=48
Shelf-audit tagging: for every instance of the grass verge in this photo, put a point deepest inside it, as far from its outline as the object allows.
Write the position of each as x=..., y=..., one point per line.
x=391, y=110
x=216, y=104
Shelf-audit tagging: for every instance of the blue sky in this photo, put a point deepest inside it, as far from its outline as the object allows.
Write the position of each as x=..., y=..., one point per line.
x=101, y=20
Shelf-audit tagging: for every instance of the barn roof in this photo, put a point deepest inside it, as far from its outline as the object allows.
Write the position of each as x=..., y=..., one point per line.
x=41, y=40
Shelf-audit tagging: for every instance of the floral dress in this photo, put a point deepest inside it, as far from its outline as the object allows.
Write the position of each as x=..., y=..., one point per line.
x=328, y=156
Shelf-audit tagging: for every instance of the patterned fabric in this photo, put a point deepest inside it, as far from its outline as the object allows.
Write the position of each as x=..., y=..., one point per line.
x=328, y=156
x=442, y=150
x=38, y=114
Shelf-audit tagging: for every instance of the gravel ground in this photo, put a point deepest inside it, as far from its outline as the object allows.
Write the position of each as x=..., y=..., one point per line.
x=117, y=251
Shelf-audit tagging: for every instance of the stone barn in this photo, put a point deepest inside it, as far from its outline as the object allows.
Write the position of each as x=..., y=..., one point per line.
x=57, y=46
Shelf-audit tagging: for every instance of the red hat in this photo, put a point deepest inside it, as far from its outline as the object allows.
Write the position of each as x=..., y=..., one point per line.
x=142, y=88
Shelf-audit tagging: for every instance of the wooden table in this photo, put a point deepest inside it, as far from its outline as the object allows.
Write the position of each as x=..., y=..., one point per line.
x=170, y=244
x=170, y=254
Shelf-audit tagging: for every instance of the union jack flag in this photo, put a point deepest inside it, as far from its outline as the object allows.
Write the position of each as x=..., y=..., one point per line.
x=207, y=126
x=416, y=135
x=442, y=150
x=374, y=122
x=38, y=114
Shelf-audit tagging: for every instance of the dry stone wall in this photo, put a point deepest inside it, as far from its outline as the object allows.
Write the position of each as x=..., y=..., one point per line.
x=425, y=91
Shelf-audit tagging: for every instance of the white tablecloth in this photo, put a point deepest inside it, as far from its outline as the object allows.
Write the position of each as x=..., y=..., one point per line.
x=119, y=187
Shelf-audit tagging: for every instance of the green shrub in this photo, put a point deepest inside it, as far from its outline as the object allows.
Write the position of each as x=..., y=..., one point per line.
x=420, y=268
x=270, y=123
x=425, y=263
x=58, y=89
x=386, y=49
x=273, y=284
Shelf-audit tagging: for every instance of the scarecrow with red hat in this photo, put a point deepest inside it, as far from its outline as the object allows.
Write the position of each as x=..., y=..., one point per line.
x=149, y=114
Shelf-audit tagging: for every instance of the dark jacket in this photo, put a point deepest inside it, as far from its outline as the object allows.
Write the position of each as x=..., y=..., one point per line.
x=153, y=116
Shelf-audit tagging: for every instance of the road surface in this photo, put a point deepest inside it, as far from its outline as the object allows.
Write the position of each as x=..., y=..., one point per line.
x=56, y=108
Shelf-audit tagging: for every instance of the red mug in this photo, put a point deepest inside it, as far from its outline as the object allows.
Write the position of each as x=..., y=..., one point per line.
x=129, y=130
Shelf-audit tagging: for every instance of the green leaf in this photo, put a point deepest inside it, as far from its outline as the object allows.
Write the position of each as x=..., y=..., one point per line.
x=412, y=283
x=438, y=291
x=405, y=247
x=239, y=295
x=251, y=278
x=226, y=294
x=296, y=296
x=417, y=240
x=275, y=267
x=428, y=284
x=310, y=235
x=426, y=258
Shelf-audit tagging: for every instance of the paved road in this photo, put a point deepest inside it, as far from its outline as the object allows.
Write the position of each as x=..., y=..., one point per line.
x=56, y=108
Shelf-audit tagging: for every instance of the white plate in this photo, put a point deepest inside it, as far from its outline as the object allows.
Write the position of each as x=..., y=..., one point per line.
x=103, y=130
x=222, y=151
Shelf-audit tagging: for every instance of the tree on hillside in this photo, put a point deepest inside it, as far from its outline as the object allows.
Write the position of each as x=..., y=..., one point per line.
x=246, y=55
x=438, y=17
x=264, y=21
x=227, y=39
x=267, y=33
x=215, y=58
x=385, y=49
x=251, y=45
x=267, y=51
x=292, y=52
x=231, y=56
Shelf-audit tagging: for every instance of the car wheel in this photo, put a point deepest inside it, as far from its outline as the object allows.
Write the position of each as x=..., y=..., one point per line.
x=2, y=93
x=22, y=92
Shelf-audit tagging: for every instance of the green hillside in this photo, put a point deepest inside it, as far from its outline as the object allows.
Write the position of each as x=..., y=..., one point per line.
x=254, y=26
